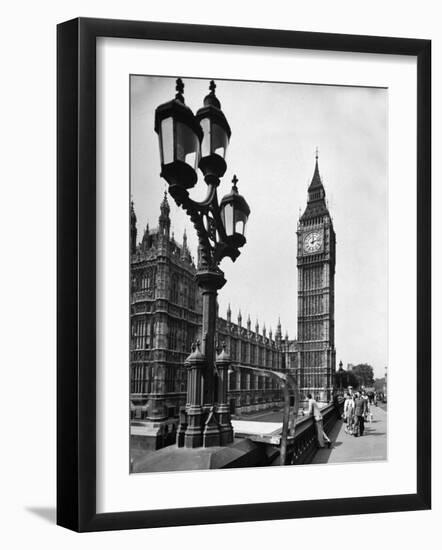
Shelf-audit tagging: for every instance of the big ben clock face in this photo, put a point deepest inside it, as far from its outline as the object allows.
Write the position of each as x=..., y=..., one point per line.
x=313, y=242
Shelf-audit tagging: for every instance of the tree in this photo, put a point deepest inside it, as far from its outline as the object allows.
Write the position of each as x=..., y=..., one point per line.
x=364, y=374
x=379, y=384
x=346, y=378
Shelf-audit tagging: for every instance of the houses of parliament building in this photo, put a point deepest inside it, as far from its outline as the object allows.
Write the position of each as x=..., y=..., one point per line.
x=166, y=317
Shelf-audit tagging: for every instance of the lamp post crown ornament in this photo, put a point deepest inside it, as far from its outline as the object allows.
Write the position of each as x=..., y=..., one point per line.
x=195, y=357
x=180, y=90
x=223, y=356
x=211, y=98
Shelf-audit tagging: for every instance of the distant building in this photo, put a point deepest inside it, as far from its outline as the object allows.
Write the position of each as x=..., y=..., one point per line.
x=166, y=316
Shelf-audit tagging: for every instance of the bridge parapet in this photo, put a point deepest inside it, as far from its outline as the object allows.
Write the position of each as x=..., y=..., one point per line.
x=301, y=447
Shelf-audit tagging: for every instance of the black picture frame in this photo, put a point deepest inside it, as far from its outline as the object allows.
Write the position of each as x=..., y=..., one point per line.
x=76, y=274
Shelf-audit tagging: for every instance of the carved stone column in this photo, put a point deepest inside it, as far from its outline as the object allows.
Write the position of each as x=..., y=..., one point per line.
x=209, y=281
x=223, y=409
x=193, y=436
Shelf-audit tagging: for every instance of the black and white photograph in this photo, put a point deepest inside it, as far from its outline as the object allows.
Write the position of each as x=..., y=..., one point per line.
x=218, y=261
x=258, y=274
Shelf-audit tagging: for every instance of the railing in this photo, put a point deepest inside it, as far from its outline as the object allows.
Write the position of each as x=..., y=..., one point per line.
x=301, y=447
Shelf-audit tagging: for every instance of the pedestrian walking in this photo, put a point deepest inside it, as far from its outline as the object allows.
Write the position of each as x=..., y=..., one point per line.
x=313, y=410
x=360, y=409
x=349, y=408
x=368, y=415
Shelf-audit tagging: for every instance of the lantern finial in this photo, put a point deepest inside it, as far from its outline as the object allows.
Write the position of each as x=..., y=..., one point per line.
x=211, y=98
x=180, y=90
x=235, y=181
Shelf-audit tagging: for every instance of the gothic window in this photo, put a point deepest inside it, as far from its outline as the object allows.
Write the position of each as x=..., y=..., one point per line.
x=253, y=354
x=232, y=380
x=233, y=349
x=192, y=297
x=243, y=352
x=146, y=280
x=169, y=379
x=185, y=298
x=173, y=335
x=174, y=289
x=138, y=333
x=243, y=380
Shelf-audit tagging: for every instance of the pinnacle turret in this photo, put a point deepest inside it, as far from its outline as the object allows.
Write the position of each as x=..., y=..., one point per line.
x=164, y=219
x=133, y=229
x=229, y=314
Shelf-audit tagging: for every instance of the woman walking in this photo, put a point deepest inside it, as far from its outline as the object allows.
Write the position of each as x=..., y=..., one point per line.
x=349, y=408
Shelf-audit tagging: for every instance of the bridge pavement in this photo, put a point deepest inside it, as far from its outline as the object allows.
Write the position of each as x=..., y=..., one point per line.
x=347, y=448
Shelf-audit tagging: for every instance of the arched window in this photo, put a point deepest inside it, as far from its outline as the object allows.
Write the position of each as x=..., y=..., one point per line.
x=174, y=289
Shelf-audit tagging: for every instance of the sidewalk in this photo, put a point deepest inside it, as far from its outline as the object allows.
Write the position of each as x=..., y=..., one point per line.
x=347, y=448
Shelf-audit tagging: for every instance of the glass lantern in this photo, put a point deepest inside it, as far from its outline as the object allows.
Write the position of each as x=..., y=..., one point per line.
x=216, y=136
x=180, y=138
x=234, y=214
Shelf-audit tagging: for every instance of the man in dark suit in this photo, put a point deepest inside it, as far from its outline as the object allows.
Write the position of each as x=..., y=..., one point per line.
x=360, y=410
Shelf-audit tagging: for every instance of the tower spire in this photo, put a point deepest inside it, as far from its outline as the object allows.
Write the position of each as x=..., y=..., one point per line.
x=229, y=314
x=316, y=182
x=316, y=205
x=279, y=330
x=164, y=219
x=133, y=228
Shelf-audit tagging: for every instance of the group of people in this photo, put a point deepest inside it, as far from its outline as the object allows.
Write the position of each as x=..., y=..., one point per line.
x=356, y=411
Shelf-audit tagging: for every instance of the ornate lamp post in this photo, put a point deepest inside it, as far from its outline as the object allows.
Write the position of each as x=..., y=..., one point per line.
x=341, y=374
x=188, y=142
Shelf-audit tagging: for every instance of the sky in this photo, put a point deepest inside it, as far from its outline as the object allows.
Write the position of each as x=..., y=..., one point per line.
x=276, y=128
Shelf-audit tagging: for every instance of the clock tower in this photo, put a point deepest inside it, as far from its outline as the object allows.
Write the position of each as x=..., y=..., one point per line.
x=316, y=258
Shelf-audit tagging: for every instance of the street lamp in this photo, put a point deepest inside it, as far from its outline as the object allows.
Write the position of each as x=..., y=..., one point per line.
x=341, y=374
x=188, y=142
x=216, y=136
x=234, y=213
x=180, y=138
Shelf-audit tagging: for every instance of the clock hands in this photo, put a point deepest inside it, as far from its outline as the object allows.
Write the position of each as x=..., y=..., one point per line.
x=313, y=242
